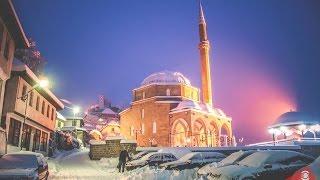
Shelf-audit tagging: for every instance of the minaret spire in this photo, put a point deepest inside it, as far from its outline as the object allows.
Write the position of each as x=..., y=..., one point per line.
x=204, y=47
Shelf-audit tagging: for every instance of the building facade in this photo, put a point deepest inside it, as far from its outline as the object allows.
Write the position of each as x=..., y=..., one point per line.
x=29, y=122
x=167, y=110
x=12, y=37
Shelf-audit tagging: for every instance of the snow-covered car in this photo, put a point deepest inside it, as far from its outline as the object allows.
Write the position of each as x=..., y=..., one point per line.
x=151, y=159
x=271, y=164
x=23, y=165
x=231, y=159
x=310, y=172
x=194, y=159
x=139, y=155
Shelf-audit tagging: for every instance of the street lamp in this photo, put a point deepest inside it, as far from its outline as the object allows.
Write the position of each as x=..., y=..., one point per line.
x=42, y=84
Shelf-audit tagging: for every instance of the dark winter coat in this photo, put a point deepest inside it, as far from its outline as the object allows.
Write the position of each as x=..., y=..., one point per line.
x=123, y=156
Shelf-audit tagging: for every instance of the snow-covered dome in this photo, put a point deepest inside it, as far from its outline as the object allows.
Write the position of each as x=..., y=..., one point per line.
x=166, y=77
x=187, y=104
x=296, y=118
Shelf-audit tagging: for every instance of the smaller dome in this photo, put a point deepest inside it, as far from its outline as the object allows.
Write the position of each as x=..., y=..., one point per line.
x=296, y=118
x=166, y=77
x=187, y=104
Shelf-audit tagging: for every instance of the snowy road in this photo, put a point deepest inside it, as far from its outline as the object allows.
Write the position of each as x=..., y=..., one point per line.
x=76, y=164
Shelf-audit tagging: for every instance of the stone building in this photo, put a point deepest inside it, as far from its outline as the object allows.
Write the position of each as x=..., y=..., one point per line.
x=33, y=132
x=167, y=110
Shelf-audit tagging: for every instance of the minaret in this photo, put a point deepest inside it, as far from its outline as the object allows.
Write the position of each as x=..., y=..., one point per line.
x=204, y=47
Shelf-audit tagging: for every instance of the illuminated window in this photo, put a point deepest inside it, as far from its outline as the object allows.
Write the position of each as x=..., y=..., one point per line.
x=142, y=128
x=131, y=131
x=168, y=93
x=142, y=113
x=154, y=127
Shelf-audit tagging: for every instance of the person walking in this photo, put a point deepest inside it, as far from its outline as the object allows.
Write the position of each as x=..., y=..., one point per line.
x=123, y=157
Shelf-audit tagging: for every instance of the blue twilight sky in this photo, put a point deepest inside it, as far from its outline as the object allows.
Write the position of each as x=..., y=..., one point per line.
x=265, y=54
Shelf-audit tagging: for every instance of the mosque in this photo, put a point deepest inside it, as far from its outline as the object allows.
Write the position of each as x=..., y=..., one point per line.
x=167, y=110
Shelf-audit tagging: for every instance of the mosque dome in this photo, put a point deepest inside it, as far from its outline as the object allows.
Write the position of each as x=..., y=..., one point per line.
x=166, y=77
x=296, y=118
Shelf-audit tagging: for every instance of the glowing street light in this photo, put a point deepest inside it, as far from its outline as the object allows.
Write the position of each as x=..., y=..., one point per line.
x=76, y=110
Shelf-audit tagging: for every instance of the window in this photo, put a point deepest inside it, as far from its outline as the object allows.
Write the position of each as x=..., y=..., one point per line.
x=59, y=123
x=52, y=114
x=74, y=123
x=24, y=92
x=131, y=131
x=1, y=35
x=154, y=127
x=7, y=47
x=168, y=92
x=36, y=140
x=142, y=128
x=142, y=113
x=143, y=95
x=48, y=111
x=14, y=132
x=44, y=141
x=37, y=103
x=26, y=136
x=112, y=129
x=43, y=106
x=31, y=99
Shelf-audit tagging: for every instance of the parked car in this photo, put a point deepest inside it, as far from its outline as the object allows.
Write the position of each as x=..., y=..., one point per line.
x=231, y=159
x=139, y=155
x=310, y=172
x=194, y=159
x=271, y=164
x=151, y=159
x=23, y=165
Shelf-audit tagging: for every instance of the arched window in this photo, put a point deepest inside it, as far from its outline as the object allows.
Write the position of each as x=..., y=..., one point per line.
x=142, y=128
x=142, y=113
x=131, y=131
x=154, y=127
x=168, y=93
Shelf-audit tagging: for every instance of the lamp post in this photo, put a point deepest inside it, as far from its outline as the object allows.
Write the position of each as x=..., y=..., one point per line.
x=25, y=97
x=75, y=111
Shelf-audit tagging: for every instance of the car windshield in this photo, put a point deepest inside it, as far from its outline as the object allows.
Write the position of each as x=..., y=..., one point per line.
x=188, y=156
x=18, y=162
x=232, y=158
x=266, y=157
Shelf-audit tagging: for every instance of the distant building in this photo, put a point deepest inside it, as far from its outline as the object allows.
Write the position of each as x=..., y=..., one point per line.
x=60, y=121
x=74, y=125
x=42, y=105
x=12, y=37
x=166, y=109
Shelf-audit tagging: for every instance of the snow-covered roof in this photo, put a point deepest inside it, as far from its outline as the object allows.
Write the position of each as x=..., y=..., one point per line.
x=61, y=117
x=127, y=141
x=20, y=67
x=166, y=77
x=108, y=111
x=189, y=104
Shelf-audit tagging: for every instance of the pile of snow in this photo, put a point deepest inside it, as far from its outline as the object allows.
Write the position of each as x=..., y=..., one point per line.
x=96, y=142
x=114, y=138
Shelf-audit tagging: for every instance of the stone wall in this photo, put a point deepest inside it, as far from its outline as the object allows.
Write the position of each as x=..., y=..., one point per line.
x=110, y=148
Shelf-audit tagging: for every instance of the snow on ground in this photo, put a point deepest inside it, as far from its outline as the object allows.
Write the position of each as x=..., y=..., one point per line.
x=76, y=164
